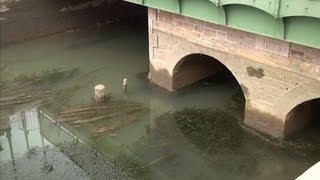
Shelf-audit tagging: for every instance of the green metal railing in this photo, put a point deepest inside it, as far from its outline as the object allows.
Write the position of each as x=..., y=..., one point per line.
x=295, y=21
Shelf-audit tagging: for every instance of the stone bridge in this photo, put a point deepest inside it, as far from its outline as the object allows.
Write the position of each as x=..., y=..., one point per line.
x=277, y=71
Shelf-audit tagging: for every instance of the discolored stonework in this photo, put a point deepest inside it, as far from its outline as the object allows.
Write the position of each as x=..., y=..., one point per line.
x=279, y=75
x=263, y=122
x=255, y=72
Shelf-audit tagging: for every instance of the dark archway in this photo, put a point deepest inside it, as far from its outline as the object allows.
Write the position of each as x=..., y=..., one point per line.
x=304, y=116
x=195, y=67
x=201, y=69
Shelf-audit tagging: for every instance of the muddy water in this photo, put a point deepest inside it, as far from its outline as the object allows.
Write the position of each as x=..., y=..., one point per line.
x=39, y=147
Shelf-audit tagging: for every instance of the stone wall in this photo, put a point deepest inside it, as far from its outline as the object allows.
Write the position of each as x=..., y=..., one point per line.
x=275, y=75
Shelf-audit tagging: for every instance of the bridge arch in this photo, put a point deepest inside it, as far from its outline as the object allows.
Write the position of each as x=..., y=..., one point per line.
x=302, y=115
x=196, y=66
x=304, y=91
x=234, y=64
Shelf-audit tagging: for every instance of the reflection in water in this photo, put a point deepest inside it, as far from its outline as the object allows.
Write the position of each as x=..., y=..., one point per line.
x=25, y=130
x=26, y=124
x=55, y=126
x=8, y=135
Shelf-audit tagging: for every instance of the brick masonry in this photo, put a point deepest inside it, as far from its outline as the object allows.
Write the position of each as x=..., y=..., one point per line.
x=289, y=73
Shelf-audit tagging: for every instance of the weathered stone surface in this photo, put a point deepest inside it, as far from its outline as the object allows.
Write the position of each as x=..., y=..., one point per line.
x=277, y=75
x=100, y=93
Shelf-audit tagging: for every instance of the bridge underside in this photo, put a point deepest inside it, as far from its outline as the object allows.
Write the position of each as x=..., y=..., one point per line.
x=275, y=76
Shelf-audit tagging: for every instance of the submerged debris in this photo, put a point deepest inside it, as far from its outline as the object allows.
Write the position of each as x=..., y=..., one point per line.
x=125, y=112
x=27, y=88
x=36, y=88
x=110, y=129
x=95, y=112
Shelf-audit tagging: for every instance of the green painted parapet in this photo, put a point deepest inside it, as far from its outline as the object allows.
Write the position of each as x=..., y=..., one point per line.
x=203, y=10
x=295, y=21
x=167, y=5
x=269, y=6
x=307, y=8
x=254, y=20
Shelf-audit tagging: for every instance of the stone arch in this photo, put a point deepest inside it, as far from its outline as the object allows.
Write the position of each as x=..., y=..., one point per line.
x=301, y=115
x=305, y=91
x=194, y=67
x=301, y=93
x=235, y=64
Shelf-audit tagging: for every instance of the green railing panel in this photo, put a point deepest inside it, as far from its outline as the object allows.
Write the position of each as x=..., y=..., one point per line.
x=310, y=8
x=270, y=6
x=167, y=5
x=203, y=10
x=303, y=30
x=254, y=20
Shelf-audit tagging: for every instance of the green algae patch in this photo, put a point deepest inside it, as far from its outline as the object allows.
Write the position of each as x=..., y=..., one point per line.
x=221, y=139
x=212, y=135
x=209, y=129
x=305, y=143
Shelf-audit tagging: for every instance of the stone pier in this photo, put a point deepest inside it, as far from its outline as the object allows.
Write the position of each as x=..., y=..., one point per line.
x=275, y=76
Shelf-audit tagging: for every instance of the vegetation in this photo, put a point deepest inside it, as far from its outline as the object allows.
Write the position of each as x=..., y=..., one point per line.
x=210, y=132
x=216, y=132
x=305, y=143
x=209, y=129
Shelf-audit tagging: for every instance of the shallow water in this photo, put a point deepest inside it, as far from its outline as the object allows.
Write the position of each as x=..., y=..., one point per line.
x=37, y=147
